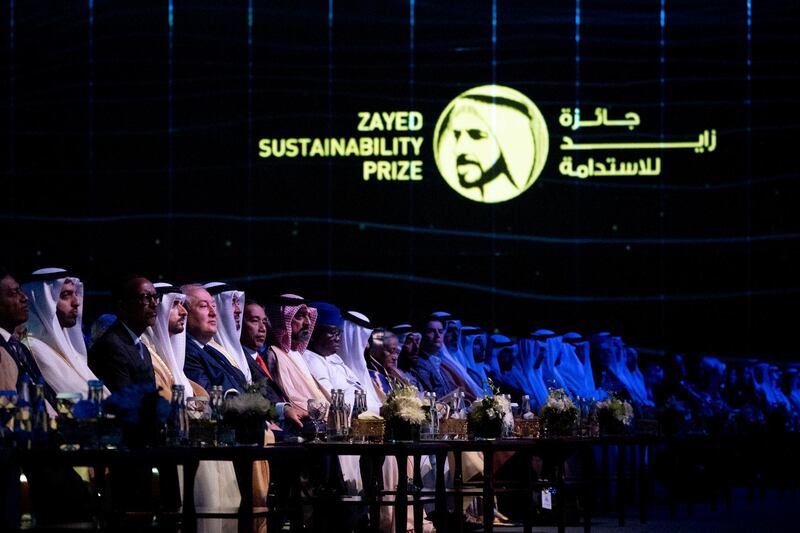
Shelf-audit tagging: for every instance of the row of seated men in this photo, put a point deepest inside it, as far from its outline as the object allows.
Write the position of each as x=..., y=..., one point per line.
x=733, y=394
x=205, y=335
x=201, y=336
x=732, y=390
x=198, y=336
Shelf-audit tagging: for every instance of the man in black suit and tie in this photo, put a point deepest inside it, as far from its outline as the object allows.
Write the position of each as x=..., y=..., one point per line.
x=255, y=325
x=119, y=357
x=73, y=502
x=13, y=313
x=254, y=335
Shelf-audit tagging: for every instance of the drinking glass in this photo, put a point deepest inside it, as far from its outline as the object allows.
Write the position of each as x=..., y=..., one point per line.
x=317, y=410
x=65, y=401
x=198, y=408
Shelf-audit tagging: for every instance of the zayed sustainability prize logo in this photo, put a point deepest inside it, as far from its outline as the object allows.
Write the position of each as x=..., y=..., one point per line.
x=490, y=143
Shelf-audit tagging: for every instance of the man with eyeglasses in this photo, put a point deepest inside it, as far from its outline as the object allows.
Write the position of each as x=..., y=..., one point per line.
x=119, y=357
x=331, y=373
x=166, y=341
x=322, y=355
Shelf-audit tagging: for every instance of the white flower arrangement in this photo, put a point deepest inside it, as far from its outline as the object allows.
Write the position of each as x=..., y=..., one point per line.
x=558, y=401
x=249, y=405
x=617, y=408
x=403, y=402
x=491, y=415
x=559, y=412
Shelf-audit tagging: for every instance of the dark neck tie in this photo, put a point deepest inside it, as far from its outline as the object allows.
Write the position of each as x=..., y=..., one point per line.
x=140, y=347
x=27, y=365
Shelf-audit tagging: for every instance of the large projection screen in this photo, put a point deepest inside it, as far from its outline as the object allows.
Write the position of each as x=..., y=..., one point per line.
x=588, y=165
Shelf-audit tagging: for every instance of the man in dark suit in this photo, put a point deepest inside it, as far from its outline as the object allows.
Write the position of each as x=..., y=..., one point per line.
x=119, y=357
x=255, y=325
x=209, y=366
x=254, y=335
x=204, y=364
x=13, y=313
x=74, y=500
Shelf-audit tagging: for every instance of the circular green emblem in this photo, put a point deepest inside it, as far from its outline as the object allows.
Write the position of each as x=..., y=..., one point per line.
x=490, y=143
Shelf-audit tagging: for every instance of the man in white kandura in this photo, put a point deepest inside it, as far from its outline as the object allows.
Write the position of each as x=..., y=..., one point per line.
x=54, y=333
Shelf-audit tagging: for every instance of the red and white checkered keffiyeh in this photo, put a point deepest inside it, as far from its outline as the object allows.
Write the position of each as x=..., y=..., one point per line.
x=294, y=375
x=280, y=316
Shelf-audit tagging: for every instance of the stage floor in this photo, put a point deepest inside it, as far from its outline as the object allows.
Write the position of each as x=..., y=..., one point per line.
x=775, y=513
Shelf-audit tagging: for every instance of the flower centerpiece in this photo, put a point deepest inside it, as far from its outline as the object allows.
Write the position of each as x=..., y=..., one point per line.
x=491, y=417
x=403, y=413
x=614, y=415
x=248, y=414
x=559, y=415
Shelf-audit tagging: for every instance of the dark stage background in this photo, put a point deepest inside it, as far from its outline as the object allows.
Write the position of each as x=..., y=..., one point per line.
x=132, y=135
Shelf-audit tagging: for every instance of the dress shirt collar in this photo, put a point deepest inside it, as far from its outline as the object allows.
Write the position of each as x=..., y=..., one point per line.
x=6, y=335
x=249, y=351
x=136, y=339
x=197, y=342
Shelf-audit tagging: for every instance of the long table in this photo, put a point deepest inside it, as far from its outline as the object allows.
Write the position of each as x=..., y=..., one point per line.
x=554, y=451
x=242, y=458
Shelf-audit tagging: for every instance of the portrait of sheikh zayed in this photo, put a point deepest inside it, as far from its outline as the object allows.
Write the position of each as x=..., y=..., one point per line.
x=491, y=144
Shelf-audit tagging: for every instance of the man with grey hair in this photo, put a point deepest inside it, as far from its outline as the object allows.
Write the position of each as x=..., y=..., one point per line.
x=208, y=367
x=204, y=364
